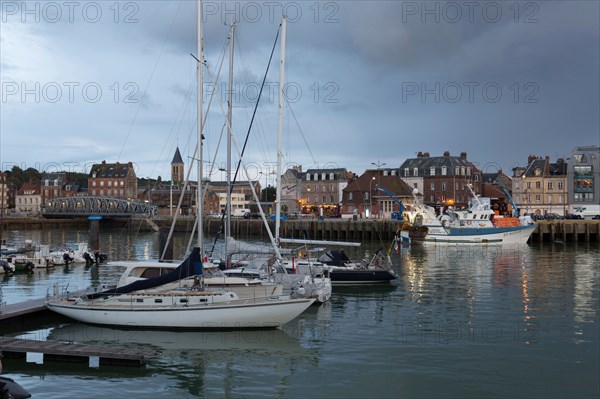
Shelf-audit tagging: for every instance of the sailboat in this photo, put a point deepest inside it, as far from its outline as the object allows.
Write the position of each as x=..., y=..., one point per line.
x=177, y=300
x=309, y=284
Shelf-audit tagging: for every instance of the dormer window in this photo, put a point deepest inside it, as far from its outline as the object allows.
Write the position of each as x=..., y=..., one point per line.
x=416, y=172
x=432, y=171
x=331, y=176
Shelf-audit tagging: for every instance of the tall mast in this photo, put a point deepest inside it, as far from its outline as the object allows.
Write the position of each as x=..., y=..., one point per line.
x=229, y=135
x=279, y=131
x=200, y=193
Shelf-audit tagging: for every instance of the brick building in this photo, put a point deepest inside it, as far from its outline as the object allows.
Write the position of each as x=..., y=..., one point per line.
x=113, y=180
x=321, y=190
x=362, y=197
x=444, y=180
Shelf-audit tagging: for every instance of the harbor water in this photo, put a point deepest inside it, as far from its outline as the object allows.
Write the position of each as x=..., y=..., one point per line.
x=466, y=322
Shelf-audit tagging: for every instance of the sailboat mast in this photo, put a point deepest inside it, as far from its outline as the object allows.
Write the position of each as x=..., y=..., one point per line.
x=229, y=135
x=279, y=130
x=200, y=191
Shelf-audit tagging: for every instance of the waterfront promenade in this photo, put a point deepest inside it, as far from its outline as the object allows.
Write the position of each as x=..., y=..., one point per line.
x=363, y=230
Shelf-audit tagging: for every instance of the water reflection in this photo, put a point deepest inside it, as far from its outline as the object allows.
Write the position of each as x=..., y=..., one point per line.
x=195, y=359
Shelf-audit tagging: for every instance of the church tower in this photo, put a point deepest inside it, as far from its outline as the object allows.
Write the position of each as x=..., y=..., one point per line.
x=177, y=168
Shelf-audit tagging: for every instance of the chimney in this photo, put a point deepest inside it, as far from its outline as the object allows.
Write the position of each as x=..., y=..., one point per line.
x=531, y=158
x=104, y=162
x=446, y=153
x=547, y=166
x=419, y=154
x=463, y=155
x=426, y=155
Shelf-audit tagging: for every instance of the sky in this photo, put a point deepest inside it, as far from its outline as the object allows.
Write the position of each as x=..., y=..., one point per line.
x=368, y=83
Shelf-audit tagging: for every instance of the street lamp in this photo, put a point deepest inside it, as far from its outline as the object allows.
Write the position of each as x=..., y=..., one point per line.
x=378, y=165
x=370, y=195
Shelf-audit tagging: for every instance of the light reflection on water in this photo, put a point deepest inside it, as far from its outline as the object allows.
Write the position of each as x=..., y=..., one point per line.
x=469, y=322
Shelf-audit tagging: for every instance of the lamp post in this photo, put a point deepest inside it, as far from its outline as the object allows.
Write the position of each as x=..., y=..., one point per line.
x=378, y=165
x=370, y=196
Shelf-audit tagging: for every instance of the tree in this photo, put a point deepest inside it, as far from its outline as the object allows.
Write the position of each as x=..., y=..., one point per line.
x=268, y=194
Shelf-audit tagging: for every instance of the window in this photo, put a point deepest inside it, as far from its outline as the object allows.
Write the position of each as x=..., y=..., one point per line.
x=444, y=171
x=456, y=170
x=432, y=171
x=308, y=199
x=308, y=176
x=462, y=170
x=416, y=172
x=538, y=198
x=332, y=188
x=332, y=200
x=385, y=172
x=444, y=186
x=324, y=188
x=109, y=183
x=324, y=199
x=432, y=186
x=432, y=198
x=583, y=170
x=94, y=183
x=549, y=200
x=560, y=185
x=350, y=196
x=331, y=176
x=101, y=183
x=468, y=171
x=316, y=199
x=528, y=184
x=415, y=185
x=406, y=172
x=323, y=176
x=550, y=185
x=122, y=183
x=316, y=188
x=538, y=184
x=366, y=195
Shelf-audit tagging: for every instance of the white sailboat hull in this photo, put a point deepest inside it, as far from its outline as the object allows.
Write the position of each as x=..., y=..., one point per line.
x=267, y=313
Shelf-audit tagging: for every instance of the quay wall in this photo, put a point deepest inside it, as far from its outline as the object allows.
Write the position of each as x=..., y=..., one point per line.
x=328, y=229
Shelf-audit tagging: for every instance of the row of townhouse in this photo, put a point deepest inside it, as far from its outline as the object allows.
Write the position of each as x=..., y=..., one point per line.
x=540, y=187
x=441, y=181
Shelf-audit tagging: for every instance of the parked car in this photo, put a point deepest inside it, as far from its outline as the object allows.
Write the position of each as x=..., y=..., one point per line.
x=553, y=216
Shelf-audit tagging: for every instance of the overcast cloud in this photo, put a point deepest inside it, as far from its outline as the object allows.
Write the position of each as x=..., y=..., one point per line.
x=367, y=81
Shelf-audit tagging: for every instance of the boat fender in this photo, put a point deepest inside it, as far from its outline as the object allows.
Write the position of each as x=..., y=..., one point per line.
x=469, y=222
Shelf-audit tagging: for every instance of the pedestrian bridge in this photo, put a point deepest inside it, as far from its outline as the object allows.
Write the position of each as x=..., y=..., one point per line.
x=96, y=206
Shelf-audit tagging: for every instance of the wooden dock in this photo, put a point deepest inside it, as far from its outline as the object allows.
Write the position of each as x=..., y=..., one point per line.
x=70, y=352
x=15, y=310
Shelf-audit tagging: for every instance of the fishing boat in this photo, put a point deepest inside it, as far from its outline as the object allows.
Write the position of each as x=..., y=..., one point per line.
x=477, y=224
